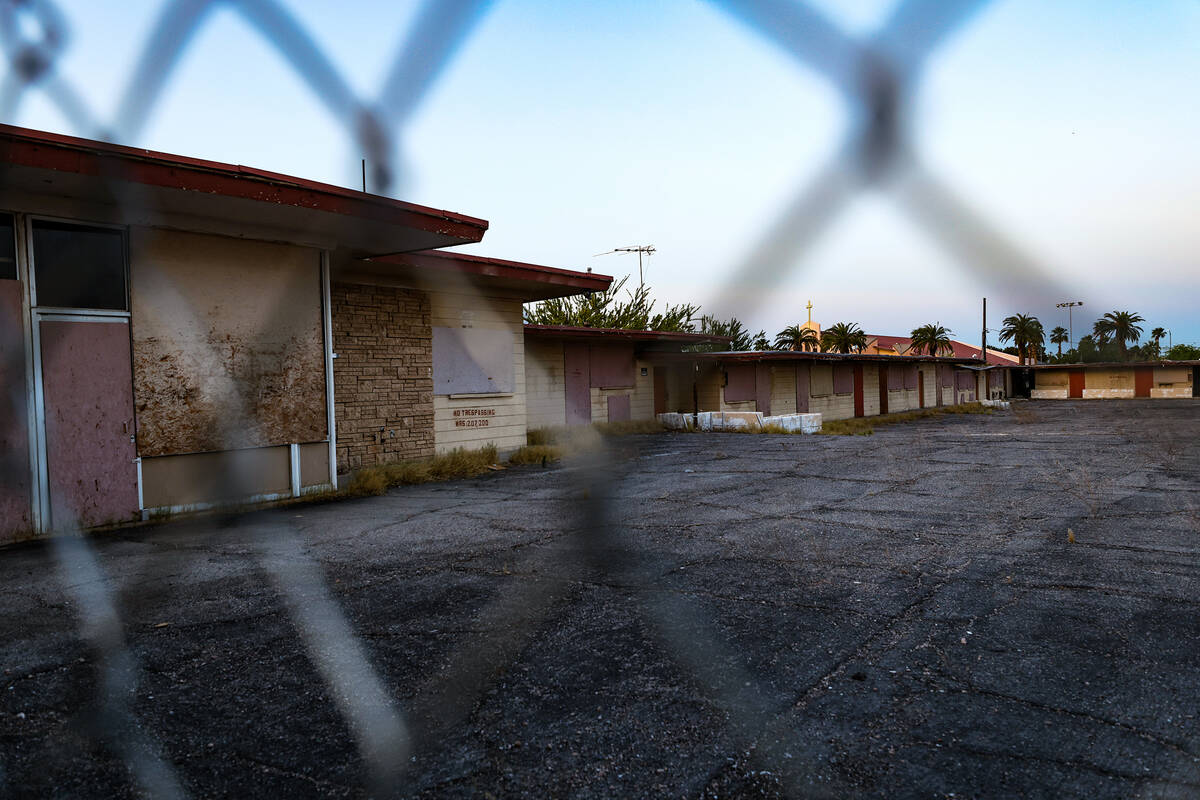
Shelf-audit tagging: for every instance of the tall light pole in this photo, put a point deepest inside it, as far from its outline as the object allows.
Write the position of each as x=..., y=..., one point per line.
x=1070, y=327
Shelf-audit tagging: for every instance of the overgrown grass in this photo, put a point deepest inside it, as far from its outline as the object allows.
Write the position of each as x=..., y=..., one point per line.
x=865, y=426
x=537, y=454
x=457, y=463
x=568, y=434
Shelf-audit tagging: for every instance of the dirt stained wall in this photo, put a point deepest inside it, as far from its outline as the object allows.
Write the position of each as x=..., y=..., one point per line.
x=228, y=346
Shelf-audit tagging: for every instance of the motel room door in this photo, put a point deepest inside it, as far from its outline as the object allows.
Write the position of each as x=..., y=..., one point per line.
x=83, y=375
x=883, y=389
x=859, y=405
x=577, y=377
x=1075, y=383
x=660, y=390
x=1143, y=381
x=920, y=389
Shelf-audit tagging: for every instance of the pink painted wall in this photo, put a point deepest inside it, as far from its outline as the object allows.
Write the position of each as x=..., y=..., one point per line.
x=88, y=385
x=15, y=517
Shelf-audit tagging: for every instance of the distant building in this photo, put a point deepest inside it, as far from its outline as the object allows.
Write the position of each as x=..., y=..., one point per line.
x=901, y=345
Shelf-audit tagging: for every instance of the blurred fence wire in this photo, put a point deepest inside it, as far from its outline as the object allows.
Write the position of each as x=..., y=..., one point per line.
x=877, y=77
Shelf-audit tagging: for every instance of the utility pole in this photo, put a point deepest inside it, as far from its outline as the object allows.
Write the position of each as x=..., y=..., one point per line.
x=647, y=249
x=983, y=341
x=1070, y=327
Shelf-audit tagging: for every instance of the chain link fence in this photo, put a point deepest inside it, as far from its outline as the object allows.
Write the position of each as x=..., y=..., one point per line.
x=876, y=76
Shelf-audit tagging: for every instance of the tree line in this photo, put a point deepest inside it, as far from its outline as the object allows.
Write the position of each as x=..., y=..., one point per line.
x=1114, y=336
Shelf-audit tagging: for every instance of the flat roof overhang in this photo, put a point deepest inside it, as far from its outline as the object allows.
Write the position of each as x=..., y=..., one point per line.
x=447, y=271
x=113, y=183
x=577, y=332
x=794, y=355
x=1112, y=365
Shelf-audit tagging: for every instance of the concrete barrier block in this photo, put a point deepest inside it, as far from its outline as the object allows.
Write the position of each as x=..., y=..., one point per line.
x=804, y=423
x=1001, y=404
x=674, y=421
x=737, y=420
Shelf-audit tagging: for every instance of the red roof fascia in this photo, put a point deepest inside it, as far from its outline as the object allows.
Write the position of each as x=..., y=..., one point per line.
x=499, y=268
x=43, y=150
x=577, y=331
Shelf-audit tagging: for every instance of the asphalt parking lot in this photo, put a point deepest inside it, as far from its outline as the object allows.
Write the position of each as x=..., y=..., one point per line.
x=972, y=606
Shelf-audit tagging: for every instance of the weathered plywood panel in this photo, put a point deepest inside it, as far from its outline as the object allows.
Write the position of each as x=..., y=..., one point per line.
x=474, y=421
x=15, y=501
x=472, y=361
x=821, y=380
x=611, y=366
x=843, y=379
x=89, y=423
x=227, y=343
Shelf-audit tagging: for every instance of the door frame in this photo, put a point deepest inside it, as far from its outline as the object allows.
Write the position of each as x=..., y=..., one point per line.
x=883, y=388
x=34, y=316
x=1075, y=376
x=859, y=405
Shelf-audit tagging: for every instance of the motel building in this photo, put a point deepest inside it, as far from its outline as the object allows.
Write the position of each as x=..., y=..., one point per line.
x=1109, y=381
x=177, y=334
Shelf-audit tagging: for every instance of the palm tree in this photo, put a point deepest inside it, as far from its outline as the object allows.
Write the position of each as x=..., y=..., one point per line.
x=932, y=338
x=1060, y=336
x=795, y=337
x=1156, y=335
x=1119, y=327
x=843, y=337
x=1026, y=332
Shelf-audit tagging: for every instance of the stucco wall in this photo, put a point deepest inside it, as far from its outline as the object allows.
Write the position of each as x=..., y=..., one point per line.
x=228, y=347
x=473, y=421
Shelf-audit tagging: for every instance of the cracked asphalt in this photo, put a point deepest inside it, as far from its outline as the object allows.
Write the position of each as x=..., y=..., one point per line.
x=703, y=615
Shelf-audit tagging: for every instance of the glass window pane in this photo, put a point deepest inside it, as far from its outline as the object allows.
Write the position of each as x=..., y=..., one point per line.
x=8, y=249
x=79, y=267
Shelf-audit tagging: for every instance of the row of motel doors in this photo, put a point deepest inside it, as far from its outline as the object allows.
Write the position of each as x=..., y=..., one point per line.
x=67, y=447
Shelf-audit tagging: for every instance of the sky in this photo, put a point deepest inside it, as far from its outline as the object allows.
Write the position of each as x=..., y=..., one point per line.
x=1070, y=128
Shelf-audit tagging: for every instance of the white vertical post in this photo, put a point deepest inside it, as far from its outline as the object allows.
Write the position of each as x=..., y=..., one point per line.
x=330, y=408
x=294, y=455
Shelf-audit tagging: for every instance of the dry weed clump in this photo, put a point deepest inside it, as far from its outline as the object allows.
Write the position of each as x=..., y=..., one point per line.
x=537, y=454
x=458, y=463
x=865, y=426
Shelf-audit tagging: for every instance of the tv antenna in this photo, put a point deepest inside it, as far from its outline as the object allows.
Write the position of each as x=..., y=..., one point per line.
x=646, y=249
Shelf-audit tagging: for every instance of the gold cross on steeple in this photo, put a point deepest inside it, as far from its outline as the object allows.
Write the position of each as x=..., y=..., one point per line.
x=809, y=307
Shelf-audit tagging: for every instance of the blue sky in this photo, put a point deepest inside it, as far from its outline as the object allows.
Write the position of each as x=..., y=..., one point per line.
x=579, y=127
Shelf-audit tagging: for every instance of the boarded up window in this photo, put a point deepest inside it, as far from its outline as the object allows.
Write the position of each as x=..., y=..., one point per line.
x=947, y=374
x=822, y=380
x=611, y=366
x=910, y=377
x=739, y=385
x=227, y=343
x=1172, y=375
x=996, y=379
x=964, y=380
x=895, y=378
x=472, y=361
x=843, y=379
x=1050, y=379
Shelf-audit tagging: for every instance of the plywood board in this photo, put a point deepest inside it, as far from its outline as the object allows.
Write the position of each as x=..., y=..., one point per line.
x=227, y=343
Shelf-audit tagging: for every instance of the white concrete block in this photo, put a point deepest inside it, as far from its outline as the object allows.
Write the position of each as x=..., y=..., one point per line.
x=1001, y=404
x=804, y=423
